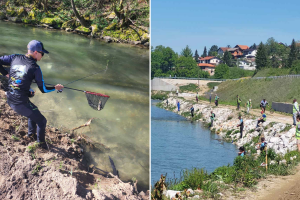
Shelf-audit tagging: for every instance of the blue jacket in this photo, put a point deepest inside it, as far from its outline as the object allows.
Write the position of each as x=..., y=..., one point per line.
x=22, y=72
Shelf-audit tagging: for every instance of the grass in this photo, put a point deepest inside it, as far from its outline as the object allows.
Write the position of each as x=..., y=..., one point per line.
x=273, y=90
x=212, y=84
x=189, y=88
x=15, y=138
x=272, y=72
x=36, y=169
x=160, y=95
x=244, y=173
x=33, y=147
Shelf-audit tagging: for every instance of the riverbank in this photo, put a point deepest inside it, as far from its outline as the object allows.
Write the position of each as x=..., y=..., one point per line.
x=61, y=172
x=281, y=151
x=103, y=23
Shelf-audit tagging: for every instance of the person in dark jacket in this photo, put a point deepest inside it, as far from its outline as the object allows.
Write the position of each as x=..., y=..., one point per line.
x=23, y=71
x=241, y=125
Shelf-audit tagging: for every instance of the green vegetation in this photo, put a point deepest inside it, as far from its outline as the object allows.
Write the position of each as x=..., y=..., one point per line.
x=189, y=88
x=33, y=147
x=165, y=62
x=272, y=72
x=274, y=90
x=36, y=169
x=160, y=95
x=245, y=172
x=15, y=138
x=211, y=85
x=122, y=20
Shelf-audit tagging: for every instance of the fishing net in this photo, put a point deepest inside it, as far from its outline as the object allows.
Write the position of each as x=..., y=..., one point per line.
x=96, y=100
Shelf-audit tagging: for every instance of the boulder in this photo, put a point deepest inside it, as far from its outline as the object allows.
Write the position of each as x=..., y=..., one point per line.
x=54, y=22
x=83, y=30
x=171, y=193
x=2, y=15
x=275, y=140
x=107, y=39
x=22, y=12
x=15, y=19
x=95, y=29
x=291, y=133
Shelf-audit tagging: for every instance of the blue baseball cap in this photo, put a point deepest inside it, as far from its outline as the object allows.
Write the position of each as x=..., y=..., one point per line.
x=35, y=45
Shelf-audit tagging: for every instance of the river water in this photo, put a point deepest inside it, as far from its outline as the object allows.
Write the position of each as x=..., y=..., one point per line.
x=123, y=125
x=178, y=144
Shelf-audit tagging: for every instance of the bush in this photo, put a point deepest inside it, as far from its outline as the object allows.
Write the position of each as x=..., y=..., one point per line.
x=159, y=95
x=189, y=88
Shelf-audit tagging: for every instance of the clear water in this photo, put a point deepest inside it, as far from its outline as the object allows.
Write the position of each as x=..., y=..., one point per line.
x=123, y=125
x=178, y=144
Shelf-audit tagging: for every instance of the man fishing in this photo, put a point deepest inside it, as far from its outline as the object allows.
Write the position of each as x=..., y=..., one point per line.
x=23, y=71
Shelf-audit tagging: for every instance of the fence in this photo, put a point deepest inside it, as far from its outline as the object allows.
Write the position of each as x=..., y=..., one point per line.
x=283, y=107
x=221, y=80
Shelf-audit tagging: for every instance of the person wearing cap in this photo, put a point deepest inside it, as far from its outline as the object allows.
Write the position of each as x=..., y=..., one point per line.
x=23, y=71
x=249, y=105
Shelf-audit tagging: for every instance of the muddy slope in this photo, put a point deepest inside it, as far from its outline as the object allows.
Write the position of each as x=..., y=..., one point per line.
x=28, y=172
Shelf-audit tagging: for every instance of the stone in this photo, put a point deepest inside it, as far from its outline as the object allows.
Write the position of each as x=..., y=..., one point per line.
x=107, y=39
x=68, y=29
x=171, y=193
x=272, y=162
x=190, y=190
x=274, y=140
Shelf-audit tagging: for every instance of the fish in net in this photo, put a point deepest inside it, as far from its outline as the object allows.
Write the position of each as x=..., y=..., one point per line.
x=96, y=100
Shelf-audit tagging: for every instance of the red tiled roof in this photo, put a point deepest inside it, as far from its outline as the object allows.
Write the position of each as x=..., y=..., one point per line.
x=243, y=47
x=207, y=58
x=205, y=65
x=224, y=48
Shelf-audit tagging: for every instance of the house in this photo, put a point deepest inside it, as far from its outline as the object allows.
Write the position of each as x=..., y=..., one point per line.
x=235, y=52
x=246, y=65
x=210, y=68
x=210, y=59
x=222, y=50
x=208, y=64
x=250, y=53
x=241, y=47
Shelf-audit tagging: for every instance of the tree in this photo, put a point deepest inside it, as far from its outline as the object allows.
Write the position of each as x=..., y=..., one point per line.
x=204, y=52
x=253, y=46
x=292, y=55
x=163, y=58
x=186, y=52
x=196, y=56
x=79, y=17
x=227, y=58
x=275, y=63
x=221, y=71
x=213, y=51
x=262, y=60
x=228, y=46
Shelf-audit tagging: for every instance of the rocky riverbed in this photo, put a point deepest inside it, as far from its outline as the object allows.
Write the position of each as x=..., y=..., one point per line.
x=279, y=136
x=29, y=172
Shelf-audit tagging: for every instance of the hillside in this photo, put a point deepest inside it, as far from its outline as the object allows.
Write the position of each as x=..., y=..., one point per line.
x=273, y=72
x=277, y=90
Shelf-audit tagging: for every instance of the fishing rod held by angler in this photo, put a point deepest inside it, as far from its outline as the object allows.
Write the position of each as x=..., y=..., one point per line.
x=95, y=100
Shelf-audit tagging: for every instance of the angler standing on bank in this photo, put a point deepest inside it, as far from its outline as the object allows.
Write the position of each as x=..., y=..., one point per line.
x=22, y=72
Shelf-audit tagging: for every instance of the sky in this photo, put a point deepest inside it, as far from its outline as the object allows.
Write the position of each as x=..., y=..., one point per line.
x=199, y=23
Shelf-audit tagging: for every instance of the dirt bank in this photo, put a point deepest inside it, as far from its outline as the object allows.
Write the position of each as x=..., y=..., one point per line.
x=29, y=172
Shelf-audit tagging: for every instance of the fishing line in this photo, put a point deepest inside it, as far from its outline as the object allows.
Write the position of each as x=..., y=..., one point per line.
x=89, y=75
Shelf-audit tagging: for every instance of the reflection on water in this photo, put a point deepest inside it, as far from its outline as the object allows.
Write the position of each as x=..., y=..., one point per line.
x=178, y=144
x=123, y=125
